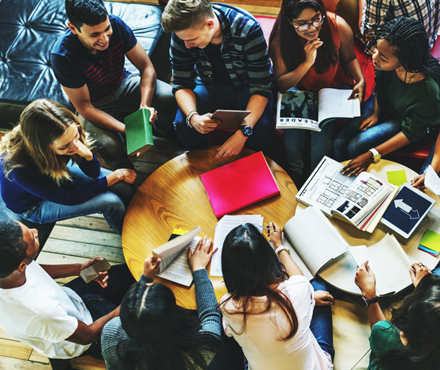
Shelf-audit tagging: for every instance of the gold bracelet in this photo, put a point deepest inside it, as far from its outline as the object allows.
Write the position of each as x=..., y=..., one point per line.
x=123, y=174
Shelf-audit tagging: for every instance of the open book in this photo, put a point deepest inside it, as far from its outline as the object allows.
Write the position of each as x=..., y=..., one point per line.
x=432, y=181
x=174, y=266
x=311, y=111
x=313, y=250
x=389, y=263
x=359, y=200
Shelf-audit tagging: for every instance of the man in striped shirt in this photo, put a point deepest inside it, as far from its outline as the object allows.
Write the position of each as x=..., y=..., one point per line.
x=88, y=61
x=219, y=60
x=377, y=12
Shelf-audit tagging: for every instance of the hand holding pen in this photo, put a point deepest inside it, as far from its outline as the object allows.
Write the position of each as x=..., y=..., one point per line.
x=365, y=280
x=275, y=234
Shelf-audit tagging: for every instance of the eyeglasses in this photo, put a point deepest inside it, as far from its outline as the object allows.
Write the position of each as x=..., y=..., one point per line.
x=305, y=26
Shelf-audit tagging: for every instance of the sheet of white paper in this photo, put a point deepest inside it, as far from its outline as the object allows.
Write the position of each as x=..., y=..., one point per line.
x=222, y=229
x=432, y=181
x=178, y=271
x=335, y=103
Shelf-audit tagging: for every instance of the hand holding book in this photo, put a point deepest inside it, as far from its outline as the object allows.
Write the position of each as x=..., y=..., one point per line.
x=366, y=280
x=201, y=256
x=151, y=266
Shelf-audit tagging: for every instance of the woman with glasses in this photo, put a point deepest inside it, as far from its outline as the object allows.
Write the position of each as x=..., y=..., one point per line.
x=312, y=49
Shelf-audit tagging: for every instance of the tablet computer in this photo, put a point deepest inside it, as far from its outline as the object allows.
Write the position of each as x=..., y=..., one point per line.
x=407, y=210
x=230, y=118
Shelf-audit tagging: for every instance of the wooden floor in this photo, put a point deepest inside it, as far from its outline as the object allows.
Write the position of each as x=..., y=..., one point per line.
x=77, y=240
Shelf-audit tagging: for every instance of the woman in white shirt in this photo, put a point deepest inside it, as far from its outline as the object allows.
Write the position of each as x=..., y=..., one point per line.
x=270, y=306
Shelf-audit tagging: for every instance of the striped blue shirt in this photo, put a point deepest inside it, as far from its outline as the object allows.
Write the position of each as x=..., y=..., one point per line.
x=243, y=49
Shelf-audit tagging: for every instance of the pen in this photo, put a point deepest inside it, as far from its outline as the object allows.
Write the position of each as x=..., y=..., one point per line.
x=265, y=227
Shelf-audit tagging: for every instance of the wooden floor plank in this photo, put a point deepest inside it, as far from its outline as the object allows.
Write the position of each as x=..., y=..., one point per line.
x=37, y=357
x=9, y=363
x=47, y=258
x=89, y=223
x=88, y=363
x=14, y=349
x=78, y=249
x=85, y=236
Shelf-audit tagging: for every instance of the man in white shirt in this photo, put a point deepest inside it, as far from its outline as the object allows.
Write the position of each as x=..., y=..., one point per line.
x=58, y=322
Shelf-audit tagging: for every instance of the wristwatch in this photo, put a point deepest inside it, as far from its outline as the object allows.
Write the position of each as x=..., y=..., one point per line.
x=376, y=155
x=281, y=248
x=246, y=130
x=367, y=302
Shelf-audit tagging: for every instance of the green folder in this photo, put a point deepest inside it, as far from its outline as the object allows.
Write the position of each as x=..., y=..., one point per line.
x=138, y=132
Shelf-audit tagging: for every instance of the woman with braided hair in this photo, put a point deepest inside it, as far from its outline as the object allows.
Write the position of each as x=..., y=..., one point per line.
x=405, y=108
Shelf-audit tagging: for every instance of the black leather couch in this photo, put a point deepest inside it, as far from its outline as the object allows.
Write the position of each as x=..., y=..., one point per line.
x=28, y=31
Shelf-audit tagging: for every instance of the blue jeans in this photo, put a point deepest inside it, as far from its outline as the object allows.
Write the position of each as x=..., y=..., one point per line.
x=349, y=142
x=112, y=203
x=100, y=301
x=218, y=96
x=321, y=324
x=321, y=145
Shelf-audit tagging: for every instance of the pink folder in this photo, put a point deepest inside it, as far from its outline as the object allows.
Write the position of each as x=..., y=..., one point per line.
x=239, y=184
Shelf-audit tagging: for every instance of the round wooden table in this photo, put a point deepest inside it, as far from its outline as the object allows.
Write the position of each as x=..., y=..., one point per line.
x=174, y=197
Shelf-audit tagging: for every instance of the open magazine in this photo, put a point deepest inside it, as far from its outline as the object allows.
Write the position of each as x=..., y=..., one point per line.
x=312, y=110
x=312, y=251
x=174, y=266
x=359, y=200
